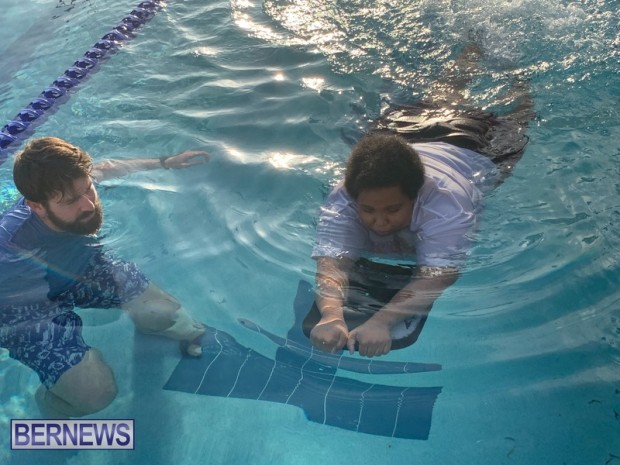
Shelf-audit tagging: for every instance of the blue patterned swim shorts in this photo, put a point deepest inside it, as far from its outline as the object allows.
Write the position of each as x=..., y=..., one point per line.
x=48, y=337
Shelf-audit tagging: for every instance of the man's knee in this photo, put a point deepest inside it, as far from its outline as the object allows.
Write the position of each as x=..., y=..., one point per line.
x=100, y=397
x=152, y=311
x=88, y=387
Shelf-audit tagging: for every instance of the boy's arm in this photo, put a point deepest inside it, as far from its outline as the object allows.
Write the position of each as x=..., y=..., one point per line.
x=117, y=168
x=414, y=300
x=417, y=297
x=331, y=332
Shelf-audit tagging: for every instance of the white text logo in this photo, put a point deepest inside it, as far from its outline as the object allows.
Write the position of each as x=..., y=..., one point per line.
x=72, y=434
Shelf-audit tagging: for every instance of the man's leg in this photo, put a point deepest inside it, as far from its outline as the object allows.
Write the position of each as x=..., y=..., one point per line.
x=157, y=312
x=83, y=389
x=112, y=282
x=75, y=381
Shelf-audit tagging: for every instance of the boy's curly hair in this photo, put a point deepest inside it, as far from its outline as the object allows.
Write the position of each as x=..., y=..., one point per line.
x=384, y=160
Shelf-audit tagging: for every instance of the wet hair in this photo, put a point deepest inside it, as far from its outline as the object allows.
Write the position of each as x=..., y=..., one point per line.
x=383, y=160
x=49, y=166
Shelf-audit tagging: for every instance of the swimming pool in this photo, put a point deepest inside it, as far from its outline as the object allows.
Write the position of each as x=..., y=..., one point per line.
x=528, y=338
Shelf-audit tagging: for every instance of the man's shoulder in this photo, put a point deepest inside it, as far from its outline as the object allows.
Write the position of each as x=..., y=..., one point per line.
x=16, y=225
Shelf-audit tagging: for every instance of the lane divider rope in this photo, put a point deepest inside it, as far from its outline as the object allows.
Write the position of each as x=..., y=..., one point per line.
x=22, y=125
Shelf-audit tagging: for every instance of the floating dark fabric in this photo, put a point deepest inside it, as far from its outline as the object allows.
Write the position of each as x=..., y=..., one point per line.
x=500, y=138
x=310, y=380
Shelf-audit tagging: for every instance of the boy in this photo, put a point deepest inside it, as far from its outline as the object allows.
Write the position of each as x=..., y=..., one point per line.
x=412, y=191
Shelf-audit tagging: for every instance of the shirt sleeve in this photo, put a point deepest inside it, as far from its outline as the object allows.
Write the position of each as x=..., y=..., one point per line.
x=339, y=232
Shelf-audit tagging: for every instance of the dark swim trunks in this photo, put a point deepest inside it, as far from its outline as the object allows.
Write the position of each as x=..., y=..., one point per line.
x=500, y=138
x=48, y=338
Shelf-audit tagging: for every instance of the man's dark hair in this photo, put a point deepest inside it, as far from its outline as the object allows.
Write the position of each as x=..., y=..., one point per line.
x=49, y=166
x=384, y=160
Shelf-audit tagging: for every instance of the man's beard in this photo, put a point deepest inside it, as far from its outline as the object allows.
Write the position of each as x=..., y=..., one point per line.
x=81, y=225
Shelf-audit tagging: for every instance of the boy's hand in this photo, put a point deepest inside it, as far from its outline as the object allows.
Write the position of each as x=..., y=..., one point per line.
x=373, y=339
x=330, y=335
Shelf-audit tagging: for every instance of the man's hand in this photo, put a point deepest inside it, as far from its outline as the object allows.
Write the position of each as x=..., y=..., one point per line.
x=373, y=339
x=329, y=335
x=108, y=169
x=186, y=159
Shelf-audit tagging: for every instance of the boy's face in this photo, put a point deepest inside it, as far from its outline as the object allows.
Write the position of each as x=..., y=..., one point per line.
x=78, y=211
x=384, y=210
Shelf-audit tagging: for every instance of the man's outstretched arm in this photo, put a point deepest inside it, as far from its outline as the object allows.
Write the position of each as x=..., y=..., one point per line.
x=117, y=168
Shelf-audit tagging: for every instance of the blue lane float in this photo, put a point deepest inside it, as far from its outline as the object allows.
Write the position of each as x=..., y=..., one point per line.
x=22, y=125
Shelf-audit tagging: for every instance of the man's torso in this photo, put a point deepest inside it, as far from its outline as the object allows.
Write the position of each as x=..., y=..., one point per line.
x=36, y=263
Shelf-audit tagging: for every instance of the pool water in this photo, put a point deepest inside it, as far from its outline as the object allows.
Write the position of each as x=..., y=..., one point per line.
x=529, y=336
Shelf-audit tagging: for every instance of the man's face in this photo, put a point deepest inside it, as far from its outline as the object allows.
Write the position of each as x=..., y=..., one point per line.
x=385, y=210
x=78, y=211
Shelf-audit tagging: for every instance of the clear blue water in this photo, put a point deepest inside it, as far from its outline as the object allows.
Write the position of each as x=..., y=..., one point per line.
x=528, y=337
